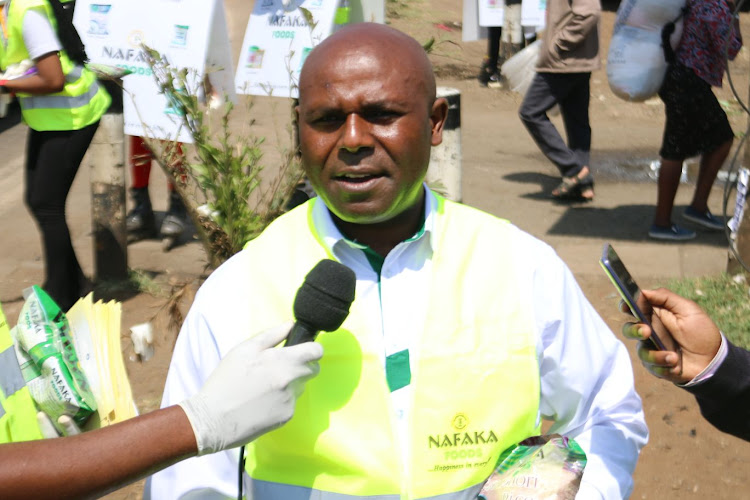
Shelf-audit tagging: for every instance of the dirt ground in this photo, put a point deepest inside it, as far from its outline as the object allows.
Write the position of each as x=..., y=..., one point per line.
x=504, y=174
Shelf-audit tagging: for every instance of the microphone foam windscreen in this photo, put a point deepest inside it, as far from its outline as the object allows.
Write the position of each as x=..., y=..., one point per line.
x=324, y=298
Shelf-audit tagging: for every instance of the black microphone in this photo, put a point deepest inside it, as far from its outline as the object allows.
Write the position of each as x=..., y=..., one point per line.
x=322, y=302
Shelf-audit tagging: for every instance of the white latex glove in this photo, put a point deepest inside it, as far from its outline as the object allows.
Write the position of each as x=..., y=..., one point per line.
x=252, y=391
x=49, y=431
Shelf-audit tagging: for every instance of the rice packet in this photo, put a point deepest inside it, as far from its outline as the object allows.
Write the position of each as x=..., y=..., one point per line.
x=538, y=468
x=48, y=359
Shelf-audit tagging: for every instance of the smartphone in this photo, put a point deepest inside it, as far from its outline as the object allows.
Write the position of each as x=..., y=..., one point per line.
x=630, y=293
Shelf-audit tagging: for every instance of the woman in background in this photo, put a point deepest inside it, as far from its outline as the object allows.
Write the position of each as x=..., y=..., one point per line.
x=62, y=103
x=696, y=123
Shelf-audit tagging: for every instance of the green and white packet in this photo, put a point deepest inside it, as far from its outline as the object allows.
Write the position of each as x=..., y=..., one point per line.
x=48, y=359
x=538, y=468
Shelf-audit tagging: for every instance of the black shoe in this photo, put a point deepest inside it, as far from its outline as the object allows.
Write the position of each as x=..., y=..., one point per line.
x=489, y=77
x=176, y=219
x=140, y=221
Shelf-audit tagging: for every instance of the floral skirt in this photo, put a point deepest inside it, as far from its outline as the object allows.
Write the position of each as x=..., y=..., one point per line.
x=696, y=123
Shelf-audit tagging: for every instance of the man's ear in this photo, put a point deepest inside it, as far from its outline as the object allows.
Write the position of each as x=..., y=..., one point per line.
x=438, y=115
x=295, y=128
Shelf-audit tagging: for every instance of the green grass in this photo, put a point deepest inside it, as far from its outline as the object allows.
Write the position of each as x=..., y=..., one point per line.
x=138, y=282
x=726, y=301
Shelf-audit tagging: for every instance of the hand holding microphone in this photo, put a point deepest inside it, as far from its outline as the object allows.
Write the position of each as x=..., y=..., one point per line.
x=252, y=391
x=255, y=387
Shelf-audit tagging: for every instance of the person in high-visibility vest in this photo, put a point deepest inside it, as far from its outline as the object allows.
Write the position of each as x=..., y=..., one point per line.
x=464, y=333
x=217, y=418
x=61, y=102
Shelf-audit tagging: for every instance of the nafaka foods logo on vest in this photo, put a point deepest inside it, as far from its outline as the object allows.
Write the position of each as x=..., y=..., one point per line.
x=460, y=436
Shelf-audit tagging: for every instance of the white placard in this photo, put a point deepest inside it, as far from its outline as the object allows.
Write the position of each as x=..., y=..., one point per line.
x=471, y=31
x=188, y=32
x=367, y=11
x=533, y=13
x=491, y=12
x=277, y=41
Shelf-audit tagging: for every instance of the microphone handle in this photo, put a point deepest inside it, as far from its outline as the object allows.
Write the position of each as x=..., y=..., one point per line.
x=300, y=333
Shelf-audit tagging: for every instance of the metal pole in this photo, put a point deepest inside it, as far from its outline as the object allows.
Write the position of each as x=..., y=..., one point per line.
x=444, y=172
x=106, y=160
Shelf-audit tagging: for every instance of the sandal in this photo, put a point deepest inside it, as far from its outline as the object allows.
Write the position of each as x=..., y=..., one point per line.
x=575, y=188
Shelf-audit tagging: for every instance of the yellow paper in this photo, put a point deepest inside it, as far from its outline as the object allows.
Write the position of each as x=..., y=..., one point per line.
x=96, y=333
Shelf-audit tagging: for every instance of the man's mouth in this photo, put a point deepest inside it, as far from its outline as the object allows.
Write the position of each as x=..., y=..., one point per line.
x=356, y=178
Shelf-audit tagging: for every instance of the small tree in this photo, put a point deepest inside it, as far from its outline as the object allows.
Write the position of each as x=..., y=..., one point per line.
x=225, y=169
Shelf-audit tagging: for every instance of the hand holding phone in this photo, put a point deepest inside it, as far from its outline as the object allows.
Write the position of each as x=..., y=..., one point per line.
x=631, y=294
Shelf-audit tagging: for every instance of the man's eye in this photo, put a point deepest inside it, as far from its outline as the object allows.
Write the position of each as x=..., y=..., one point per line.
x=380, y=115
x=328, y=119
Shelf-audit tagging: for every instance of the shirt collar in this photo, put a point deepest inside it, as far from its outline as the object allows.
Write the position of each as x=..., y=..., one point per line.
x=332, y=237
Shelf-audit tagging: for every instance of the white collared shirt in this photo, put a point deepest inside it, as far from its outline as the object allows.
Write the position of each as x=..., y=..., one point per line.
x=585, y=372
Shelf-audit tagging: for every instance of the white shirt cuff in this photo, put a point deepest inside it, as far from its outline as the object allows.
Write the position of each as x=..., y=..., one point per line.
x=714, y=365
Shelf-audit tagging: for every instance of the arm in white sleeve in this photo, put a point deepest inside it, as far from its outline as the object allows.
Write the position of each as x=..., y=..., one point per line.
x=586, y=382
x=39, y=36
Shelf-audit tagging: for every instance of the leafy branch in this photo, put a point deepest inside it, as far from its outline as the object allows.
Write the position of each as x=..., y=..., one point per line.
x=225, y=168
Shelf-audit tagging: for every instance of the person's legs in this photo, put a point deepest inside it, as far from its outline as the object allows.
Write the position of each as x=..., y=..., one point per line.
x=574, y=108
x=488, y=72
x=695, y=123
x=678, y=143
x=140, y=220
x=176, y=218
x=545, y=91
x=669, y=180
x=53, y=159
x=710, y=165
x=140, y=162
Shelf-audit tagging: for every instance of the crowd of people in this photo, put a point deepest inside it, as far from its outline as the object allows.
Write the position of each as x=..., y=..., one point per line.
x=462, y=325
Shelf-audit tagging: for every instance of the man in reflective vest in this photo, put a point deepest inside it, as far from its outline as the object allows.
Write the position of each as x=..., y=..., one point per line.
x=465, y=332
x=17, y=411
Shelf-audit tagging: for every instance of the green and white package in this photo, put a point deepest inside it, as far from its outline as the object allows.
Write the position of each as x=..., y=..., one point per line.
x=538, y=468
x=48, y=359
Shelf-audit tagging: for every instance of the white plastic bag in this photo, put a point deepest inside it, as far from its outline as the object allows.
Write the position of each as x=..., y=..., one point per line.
x=635, y=62
x=520, y=69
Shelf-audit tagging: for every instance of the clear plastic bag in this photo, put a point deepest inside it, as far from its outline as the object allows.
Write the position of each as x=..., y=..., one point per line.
x=520, y=69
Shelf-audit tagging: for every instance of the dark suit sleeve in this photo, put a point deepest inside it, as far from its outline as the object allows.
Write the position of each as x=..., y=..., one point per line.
x=724, y=399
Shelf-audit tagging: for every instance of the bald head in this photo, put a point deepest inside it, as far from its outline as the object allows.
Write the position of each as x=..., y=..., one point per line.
x=367, y=119
x=362, y=43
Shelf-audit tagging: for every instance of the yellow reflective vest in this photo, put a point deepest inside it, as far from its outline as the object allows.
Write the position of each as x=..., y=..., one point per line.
x=17, y=411
x=82, y=100
x=475, y=381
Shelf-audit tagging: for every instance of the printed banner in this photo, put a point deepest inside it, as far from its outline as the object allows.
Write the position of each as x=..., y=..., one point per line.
x=278, y=38
x=189, y=33
x=491, y=12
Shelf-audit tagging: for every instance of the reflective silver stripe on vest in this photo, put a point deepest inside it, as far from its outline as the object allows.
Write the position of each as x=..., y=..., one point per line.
x=74, y=74
x=266, y=490
x=11, y=379
x=59, y=101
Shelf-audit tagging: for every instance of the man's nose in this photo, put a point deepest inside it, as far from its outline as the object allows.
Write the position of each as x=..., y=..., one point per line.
x=356, y=134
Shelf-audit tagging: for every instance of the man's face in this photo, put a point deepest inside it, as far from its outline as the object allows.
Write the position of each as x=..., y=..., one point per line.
x=366, y=127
